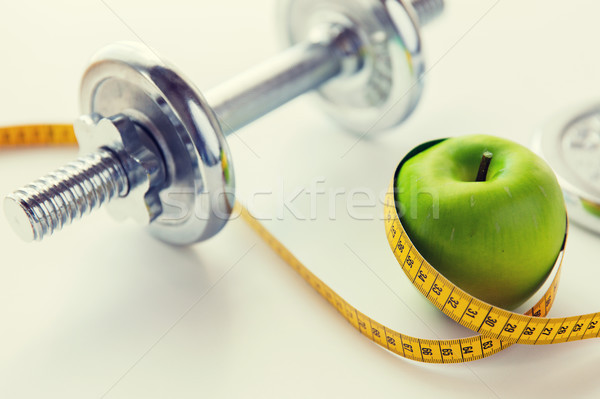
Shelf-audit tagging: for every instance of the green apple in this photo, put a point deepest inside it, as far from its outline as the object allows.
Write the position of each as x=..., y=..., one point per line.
x=498, y=238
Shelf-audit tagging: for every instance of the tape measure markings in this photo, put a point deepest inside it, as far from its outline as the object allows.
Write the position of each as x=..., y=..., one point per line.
x=425, y=350
x=498, y=329
x=43, y=134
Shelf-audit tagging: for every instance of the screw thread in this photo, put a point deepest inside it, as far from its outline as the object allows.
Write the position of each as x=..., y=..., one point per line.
x=427, y=9
x=57, y=199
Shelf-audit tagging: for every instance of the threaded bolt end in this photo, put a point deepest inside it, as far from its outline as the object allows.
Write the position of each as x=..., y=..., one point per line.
x=57, y=199
x=427, y=9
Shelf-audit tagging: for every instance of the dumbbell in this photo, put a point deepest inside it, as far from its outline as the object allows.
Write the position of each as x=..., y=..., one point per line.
x=154, y=148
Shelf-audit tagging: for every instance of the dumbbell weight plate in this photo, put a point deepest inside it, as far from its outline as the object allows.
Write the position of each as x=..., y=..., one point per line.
x=388, y=86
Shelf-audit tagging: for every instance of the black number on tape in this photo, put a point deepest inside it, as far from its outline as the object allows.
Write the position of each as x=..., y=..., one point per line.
x=453, y=302
x=490, y=322
x=400, y=247
x=562, y=330
x=529, y=331
x=547, y=331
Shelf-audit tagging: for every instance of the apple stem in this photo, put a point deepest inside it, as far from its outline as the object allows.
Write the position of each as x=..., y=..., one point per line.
x=484, y=165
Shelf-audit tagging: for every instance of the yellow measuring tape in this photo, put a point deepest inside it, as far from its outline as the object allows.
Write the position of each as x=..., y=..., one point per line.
x=31, y=135
x=497, y=328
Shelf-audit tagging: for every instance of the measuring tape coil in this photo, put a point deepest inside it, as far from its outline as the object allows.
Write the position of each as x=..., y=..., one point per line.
x=497, y=328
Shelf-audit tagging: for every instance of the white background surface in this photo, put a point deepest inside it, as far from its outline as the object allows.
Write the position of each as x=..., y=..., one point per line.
x=103, y=310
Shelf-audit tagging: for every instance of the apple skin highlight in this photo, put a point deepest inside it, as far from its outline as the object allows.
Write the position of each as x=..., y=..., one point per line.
x=497, y=239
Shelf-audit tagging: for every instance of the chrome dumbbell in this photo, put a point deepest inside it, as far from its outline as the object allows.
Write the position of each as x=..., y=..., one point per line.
x=155, y=147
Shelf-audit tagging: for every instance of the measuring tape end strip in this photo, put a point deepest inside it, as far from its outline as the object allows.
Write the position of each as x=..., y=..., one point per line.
x=37, y=135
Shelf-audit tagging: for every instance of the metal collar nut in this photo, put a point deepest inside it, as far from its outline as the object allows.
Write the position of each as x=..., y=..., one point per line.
x=140, y=158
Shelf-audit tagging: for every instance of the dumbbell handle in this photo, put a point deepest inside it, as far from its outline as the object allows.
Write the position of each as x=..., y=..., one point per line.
x=269, y=85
